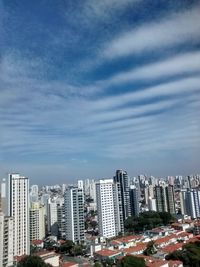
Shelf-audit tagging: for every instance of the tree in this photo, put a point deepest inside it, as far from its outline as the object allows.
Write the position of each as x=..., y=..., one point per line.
x=67, y=246
x=147, y=220
x=189, y=255
x=30, y=261
x=97, y=264
x=93, y=224
x=166, y=217
x=76, y=250
x=150, y=249
x=131, y=261
x=108, y=262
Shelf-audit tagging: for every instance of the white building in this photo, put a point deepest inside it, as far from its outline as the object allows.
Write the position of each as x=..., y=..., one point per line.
x=52, y=218
x=152, y=204
x=6, y=240
x=37, y=221
x=74, y=213
x=107, y=208
x=18, y=208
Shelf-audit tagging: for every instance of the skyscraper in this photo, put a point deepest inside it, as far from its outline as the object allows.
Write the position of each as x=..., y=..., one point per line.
x=107, y=208
x=134, y=201
x=74, y=213
x=190, y=203
x=164, y=196
x=18, y=208
x=52, y=217
x=122, y=178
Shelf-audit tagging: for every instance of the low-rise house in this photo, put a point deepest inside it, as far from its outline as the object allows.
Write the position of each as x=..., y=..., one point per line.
x=125, y=242
x=135, y=250
x=105, y=254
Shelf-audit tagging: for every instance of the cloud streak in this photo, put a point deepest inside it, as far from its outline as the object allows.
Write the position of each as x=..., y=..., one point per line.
x=177, y=29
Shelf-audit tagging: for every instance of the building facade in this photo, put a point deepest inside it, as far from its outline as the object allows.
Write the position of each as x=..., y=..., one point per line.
x=37, y=221
x=18, y=208
x=74, y=213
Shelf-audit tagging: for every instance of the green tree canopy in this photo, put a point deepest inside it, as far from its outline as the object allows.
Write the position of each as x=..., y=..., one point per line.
x=147, y=220
x=150, y=249
x=189, y=255
x=30, y=261
x=67, y=246
x=131, y=261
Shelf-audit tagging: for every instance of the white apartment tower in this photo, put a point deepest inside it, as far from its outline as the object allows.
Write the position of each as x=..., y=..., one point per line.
x=52, y=217
x=18, y=208
x=109, y=208
x=74, y=213
x=37, y=221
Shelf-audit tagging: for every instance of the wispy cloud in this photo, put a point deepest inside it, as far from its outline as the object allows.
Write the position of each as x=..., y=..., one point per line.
x=180, y=28
x=186, y=63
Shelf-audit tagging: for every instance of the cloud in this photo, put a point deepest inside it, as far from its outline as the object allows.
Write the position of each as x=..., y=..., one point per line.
x=180, y=28
x=187, y=63
x=183, y=86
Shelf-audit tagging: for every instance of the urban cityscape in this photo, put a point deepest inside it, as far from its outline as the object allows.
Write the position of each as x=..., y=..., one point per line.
x=100, y=133
x=99, y=222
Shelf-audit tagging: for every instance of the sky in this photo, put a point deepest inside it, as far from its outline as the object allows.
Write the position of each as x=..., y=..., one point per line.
x=88, y=87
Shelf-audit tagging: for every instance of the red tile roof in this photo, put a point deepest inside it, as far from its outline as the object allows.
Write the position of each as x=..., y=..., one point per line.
x=137, y=248
x=173, y=247
x=107, y=252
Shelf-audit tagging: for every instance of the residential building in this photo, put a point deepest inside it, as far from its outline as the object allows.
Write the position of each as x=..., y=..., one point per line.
x=164, y=195
x=37, y=221
x=134, y=201
x=109, y=208
x=52, y=217
x=6, y=240
x=18, y=208
x=123, y=179
x=74, y=213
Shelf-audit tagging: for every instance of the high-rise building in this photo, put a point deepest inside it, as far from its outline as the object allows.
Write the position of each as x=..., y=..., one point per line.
x=122, y=178
x=106, y=211
x=134, y=201
x=152, y=204
x=18, y=208
x=61, y=217
x=52, y=218
x=6, y=240
x=170, y=199
x=74, y=213
x=37, y=221
x=190, y=203
x=164, y=196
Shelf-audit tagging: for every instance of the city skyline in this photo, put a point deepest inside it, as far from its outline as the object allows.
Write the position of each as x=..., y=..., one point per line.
x=91, y=87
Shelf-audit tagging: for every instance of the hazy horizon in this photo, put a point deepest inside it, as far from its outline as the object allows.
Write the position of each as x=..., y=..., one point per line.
x=88, y=87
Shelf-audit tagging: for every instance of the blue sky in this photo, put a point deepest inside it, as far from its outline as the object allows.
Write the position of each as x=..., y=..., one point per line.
x=91, y=86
